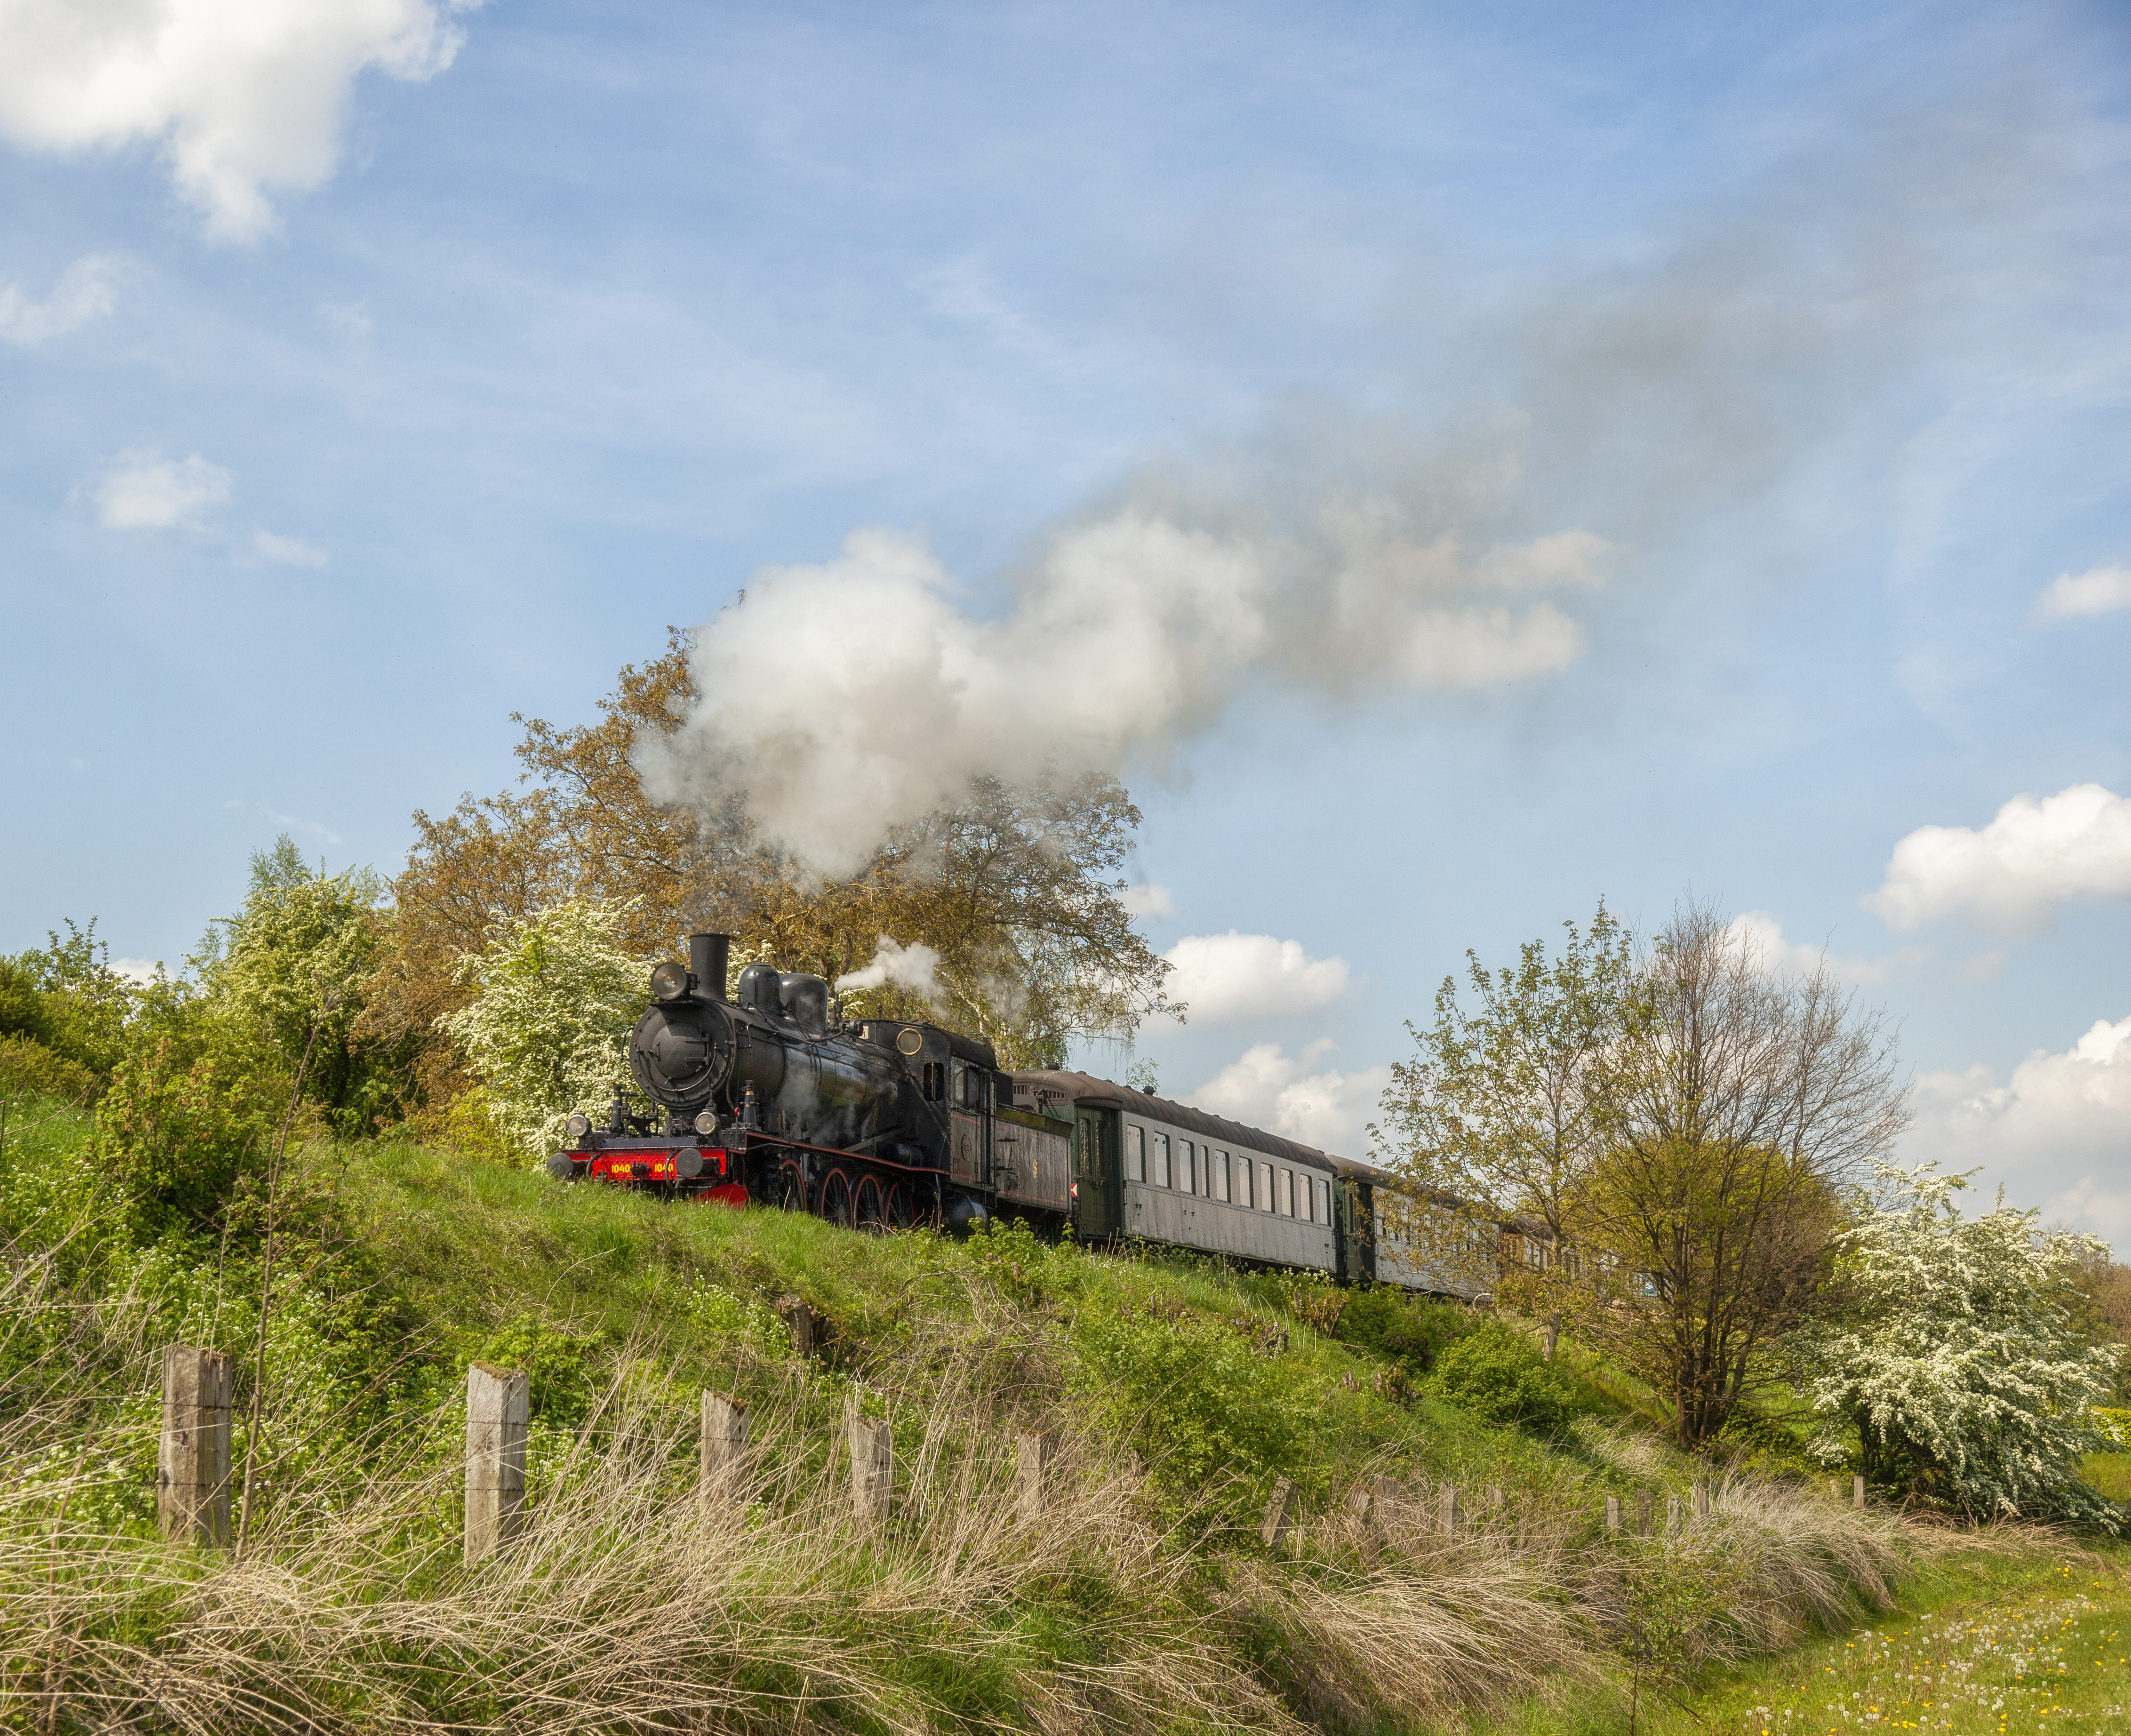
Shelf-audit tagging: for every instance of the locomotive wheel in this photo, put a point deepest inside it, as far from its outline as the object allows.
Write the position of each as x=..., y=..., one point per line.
x=870, y=1209
x=791, y=1185
x=901, y=1213
x=836, y=1197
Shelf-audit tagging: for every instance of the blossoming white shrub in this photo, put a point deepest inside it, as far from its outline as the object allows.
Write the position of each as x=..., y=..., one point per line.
x=546, y=1034
x=1959, y=1367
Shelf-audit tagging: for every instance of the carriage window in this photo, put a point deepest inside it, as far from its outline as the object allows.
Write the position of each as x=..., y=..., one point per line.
x=1187, y=1165
x=1324, y=1201
x=1160, y=1159
x=1220, y=1175
x=1135, y=1153
x=1288, y=1193
x=1265, y=1188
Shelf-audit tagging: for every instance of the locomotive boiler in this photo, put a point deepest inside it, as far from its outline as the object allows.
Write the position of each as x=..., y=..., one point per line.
x=764, y=1093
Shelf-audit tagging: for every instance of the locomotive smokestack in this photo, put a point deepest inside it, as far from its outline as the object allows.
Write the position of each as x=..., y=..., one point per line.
x=708, y=957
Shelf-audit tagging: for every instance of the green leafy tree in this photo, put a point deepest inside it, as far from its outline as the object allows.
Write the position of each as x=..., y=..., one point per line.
x=177, y=1135
x=555, y=995
x=1498, y=1109
x=291, y=971
x=1961, y=1366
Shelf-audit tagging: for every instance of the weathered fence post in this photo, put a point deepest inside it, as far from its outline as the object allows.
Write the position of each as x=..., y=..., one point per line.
x=799, y=1321
x=499, y=1402
x=1700, y=1501
x=192, y=1463
x=873, y=1465
x=1446, y=1507
x=1671, y=1514
x=1612, y=1516
x=1273, y=1529
x=1857, y=1489
x=1495, y=1503
x=1644, y=1508
x=1036, y=1453
x=720, y=1475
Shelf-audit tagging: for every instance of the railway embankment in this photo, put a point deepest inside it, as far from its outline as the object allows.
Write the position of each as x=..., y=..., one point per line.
x=1446, y=1552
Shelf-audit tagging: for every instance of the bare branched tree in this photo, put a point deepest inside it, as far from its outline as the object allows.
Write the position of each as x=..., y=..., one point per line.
x=1738, y=1101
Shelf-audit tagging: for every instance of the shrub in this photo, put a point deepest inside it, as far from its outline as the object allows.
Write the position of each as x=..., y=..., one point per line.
x=1498, y=1375
x=178, y=1138
x=27, y=1066
x=1411, y=1332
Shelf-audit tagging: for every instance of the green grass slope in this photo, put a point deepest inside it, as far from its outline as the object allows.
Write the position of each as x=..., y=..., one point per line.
x=1139, y=1598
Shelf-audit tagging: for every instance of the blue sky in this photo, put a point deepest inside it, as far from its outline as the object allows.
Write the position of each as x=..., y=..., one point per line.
x=366, y=384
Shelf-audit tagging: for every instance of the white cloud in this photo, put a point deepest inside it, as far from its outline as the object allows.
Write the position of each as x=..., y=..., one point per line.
x=2012, y=875
x=2095, y=591
x=1266, y=1087
x=286, y=551
x=142, y=970
x=2057, y=1133
x=145, y=491
x=1763, y=934
x=243, y=95
x=1149, y=898
x=1229, y=976
x=87, y=290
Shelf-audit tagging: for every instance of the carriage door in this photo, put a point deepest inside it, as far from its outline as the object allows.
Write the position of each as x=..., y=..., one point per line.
x=1098, y=1206
x=968, y=1153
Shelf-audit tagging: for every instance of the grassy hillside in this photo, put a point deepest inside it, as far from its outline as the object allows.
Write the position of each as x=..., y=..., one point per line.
x=1178, y=1390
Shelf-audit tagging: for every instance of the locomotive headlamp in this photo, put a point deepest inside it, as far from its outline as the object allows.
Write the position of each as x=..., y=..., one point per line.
x=578, y=1125
x=669, y=981
x=707, y=1122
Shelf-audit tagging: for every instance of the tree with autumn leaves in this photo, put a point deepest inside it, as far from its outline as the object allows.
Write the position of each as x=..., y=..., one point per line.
x=1015, y=891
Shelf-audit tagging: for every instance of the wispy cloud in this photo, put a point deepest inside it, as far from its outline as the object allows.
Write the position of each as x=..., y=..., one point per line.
x=1763, y=934
x=87, y=291
x=2098, y=591
x=145, y=491
x=286, y=822
x=286, y=551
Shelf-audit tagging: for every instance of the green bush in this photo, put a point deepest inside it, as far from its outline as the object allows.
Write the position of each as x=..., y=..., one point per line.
x=177, y=1138
x=1410, y=1331
x=1498, y=1375
x=27, y=1067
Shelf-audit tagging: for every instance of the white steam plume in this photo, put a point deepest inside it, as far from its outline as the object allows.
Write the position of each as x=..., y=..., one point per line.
x=910, y=967
x=855, y=697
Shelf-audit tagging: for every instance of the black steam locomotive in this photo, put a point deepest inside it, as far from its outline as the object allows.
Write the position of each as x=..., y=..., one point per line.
x=767, y=1096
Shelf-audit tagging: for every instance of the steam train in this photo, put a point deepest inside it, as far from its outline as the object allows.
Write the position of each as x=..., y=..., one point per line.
x=765, y=1095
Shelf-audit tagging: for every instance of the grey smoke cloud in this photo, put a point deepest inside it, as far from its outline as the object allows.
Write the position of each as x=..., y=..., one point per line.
x=1604, y=438
x=853, y=696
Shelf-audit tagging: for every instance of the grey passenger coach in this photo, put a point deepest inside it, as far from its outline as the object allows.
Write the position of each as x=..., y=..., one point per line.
x=1146, y=1166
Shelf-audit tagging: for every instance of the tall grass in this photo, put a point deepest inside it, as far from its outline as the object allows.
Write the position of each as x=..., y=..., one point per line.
x=1136, y=1602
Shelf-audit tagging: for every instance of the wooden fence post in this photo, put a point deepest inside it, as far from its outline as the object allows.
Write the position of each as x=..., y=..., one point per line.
x=873, y=1465
x=1857, y=1489
x=1272, y=1530
x=1612, y=1516
x=499, y=1402
x=1446, y=1509
x=192, y=1463
x=1644, y=1516
x=1700, y=1501
x=720, y=1477
x=1035, y=1452
x=1671, y=1514
x=799, y=1321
